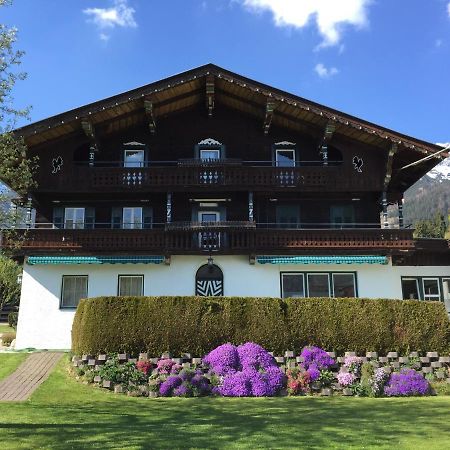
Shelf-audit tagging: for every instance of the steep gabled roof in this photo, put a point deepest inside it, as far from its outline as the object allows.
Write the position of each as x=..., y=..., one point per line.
x=188, y=88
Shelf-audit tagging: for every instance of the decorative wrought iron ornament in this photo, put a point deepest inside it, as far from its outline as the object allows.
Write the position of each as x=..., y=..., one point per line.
x=57, y=164
x=358, y=163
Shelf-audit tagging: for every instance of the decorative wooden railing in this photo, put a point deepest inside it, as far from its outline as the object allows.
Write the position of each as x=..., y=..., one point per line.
x=221, y=176
x=234, y=240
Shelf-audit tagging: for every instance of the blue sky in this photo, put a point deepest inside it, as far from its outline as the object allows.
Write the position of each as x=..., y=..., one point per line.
x=382, y=60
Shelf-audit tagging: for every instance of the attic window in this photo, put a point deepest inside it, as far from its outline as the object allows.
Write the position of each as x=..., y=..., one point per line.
x=285, y=154
x=210, y=150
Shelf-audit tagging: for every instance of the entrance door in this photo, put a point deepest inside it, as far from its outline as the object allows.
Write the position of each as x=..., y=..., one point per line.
x=209, y=240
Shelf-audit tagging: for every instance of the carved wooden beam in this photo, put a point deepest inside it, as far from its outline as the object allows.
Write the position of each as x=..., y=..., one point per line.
x=328, y=132
x=390, y=159
x=270, y=107
x=210, y=91
x=89, y=131
x=148, y=105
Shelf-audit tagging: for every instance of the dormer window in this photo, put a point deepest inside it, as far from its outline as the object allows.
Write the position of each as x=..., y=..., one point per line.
x=209, y=150
x=285, y=154
x=134, y=155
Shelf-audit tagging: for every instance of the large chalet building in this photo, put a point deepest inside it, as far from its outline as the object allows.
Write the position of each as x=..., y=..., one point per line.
x=209, y=183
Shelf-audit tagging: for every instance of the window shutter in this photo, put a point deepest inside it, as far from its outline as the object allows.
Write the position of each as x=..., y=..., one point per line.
x=89, y=217
x=147, y=214
x=116, y=217
x=58, y=217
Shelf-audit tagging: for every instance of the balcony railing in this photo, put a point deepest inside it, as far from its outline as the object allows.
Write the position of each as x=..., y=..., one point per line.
x=223, y=174
x=235, y=239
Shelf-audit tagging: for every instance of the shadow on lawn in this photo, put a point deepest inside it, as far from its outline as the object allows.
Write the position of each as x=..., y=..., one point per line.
x=214, y=422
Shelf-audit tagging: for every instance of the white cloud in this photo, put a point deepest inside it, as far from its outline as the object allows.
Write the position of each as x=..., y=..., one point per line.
x=330, y=16
x=443, y=144
x=119, y=15
x=325, y=72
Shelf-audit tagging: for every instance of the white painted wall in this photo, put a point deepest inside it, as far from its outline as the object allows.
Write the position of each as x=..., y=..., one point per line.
x=43, y=325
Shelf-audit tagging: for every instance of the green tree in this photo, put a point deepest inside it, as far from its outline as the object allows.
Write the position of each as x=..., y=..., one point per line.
x=16, y=170
x=9, y=287
x=433, y=228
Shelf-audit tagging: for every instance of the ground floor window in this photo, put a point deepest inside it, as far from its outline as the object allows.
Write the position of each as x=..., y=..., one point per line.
x=318, y=284
x=131, y=285
x=426, y=288
x=74, y=288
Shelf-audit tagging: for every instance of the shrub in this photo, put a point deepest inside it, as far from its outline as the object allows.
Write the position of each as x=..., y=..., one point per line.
x=7, y=338
x=197, y=324
x=126, y=374
x=248, y=370
x=13, y=316
x=407, y=382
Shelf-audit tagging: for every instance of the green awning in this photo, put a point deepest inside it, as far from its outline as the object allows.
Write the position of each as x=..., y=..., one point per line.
x=366, y=259
x=32, y=260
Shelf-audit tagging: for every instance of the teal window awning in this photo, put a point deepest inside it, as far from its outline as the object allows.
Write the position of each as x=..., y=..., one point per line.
x=345, y=259
x=33, y=260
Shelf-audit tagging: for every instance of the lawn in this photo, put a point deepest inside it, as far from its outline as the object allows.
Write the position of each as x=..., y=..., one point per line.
x=5, y=328
x=9, y=362
x=66, y=414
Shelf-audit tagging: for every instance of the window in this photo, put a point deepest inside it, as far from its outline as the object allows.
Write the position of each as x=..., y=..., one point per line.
x=292, y=285
x=343, y=285
x=410, y=289
x=133, y=158
x=74, y=288
x=74, y=218
x=431, y=289
x=446, y=288
x=132, y=218
x=315, y=284
x=131, y=285
x=285, y=158
x=342, y=215
x=209, y=281
x=318, y=285
x=288, y=216
x=209, y=154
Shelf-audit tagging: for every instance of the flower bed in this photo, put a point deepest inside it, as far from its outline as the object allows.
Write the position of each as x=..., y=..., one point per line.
x=249, y=370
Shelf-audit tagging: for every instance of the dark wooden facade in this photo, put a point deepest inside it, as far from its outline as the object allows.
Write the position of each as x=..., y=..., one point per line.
x=340, y=162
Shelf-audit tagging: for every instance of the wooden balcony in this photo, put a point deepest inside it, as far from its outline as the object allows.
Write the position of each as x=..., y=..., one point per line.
x=218, y=176
x=234, y=239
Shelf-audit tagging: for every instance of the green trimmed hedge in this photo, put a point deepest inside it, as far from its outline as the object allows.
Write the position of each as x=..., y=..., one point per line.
x=197, y=324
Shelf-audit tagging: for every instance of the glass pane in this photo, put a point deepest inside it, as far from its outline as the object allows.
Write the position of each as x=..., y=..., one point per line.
x=210, y=154
x=446, y=286
x=318, y=285
x=74, y=289
x=285, y=158
x=132, y=218
x=344, y=285
x=133, y=158
x=130, y=285
x=293, y=285
x=209, y=217
x=288, y=216
x=410, y=289
x=431, y=288
x=342, y=215
x=74, y=218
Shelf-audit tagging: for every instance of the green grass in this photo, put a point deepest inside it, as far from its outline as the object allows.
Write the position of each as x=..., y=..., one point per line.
x=65, y=414
x=9, y=363
x=5, y=328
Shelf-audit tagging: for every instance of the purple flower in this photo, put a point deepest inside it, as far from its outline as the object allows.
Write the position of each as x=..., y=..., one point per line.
x=378, y=380
x=236, y=385
x=346, y=378
x=314, y=373
x=223, y=359
x=353, y=364
x=164, y=366
x=317, y=357
x=407, y=382
x=253, y=356
x=166, y=387
x=182, y=391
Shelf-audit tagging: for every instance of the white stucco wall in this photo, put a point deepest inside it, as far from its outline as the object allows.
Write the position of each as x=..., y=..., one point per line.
x=42, y=324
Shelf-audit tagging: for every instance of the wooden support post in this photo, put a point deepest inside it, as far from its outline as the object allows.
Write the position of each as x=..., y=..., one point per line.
x=169, y=208
x=210, y=94
x=89, y=131
x=148, y=105
x=390, y=159
x=29, y=217
x=400, y=213
x=327, y=135
x=270, y=107
x=385, y=211
x=250, y=207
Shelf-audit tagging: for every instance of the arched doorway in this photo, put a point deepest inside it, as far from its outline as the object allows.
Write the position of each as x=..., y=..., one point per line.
x=209, y=281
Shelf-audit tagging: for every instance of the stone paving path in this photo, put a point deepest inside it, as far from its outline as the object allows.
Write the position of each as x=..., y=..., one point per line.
x=28, y=376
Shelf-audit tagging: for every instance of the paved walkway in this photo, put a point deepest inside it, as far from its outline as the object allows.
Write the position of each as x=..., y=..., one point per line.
x=28, y=376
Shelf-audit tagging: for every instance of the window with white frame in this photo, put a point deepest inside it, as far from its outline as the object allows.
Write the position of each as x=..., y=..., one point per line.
x=431, y=289
x=133, y=158
x=74, y=218
x=410, y=289
x=132, y=217
x=292, y=285
x=285, y=157
x=74, y=288
x=446, y=289
x=318, y=284
x=131, y=285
